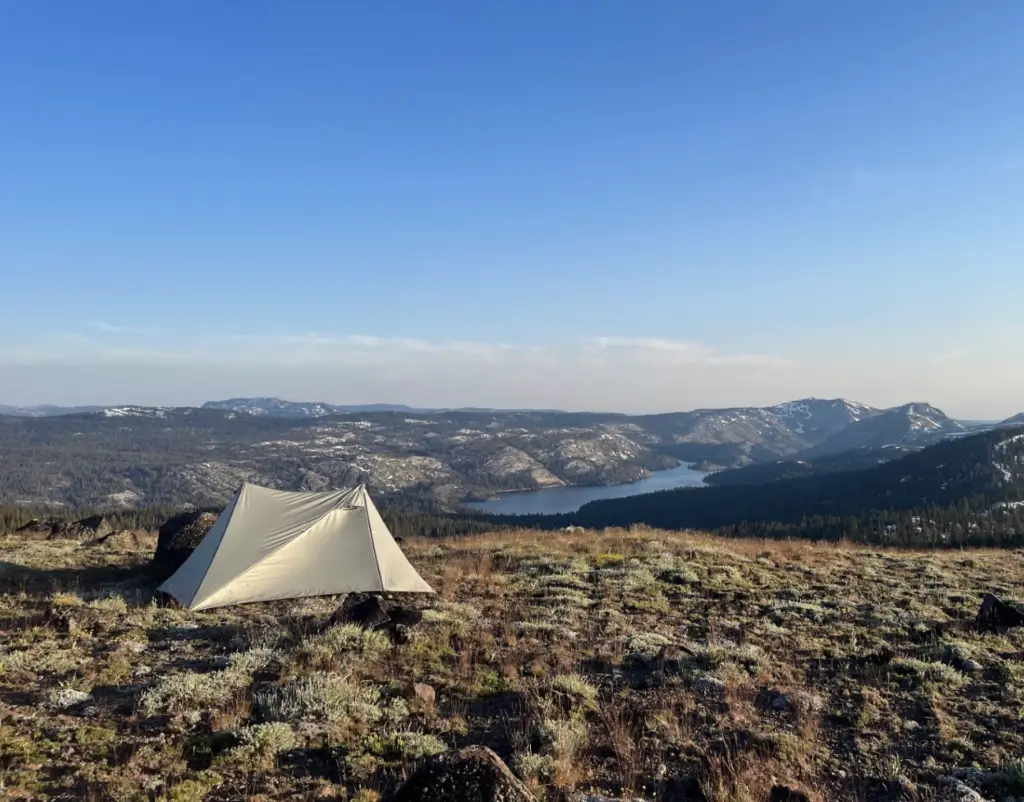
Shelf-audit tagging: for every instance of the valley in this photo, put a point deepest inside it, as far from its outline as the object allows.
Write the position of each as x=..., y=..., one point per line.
x=132, y=456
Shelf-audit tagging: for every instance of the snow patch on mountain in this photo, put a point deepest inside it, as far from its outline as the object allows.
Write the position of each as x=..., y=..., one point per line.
x=133, y=412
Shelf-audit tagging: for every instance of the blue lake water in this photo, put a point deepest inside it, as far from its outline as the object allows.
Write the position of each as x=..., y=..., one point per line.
x=557, y=500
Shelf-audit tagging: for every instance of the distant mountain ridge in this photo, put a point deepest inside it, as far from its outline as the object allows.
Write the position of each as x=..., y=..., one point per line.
x=276, y=407
x=910, y=424
x=44, y=410
x=138, y=455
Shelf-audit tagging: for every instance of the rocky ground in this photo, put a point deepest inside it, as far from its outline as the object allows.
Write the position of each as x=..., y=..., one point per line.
x=644, y=664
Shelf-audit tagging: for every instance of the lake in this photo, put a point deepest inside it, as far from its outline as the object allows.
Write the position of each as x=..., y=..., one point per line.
x=557, y=500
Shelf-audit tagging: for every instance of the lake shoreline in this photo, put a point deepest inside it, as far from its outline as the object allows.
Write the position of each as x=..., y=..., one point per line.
x=567, y=499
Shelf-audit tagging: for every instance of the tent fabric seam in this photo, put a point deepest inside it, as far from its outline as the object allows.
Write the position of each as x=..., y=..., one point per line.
x=373, y=544
x=262, y=559
x=231, y=507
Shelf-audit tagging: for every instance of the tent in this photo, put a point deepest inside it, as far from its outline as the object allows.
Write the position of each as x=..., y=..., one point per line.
x=274, y=544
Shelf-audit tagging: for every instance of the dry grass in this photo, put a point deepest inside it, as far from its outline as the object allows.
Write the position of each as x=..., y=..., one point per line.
x=659, y=664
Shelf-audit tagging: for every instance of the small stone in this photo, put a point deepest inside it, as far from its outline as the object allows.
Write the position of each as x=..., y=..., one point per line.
x=424, y=694
x=69, y=697
x=971, y=666
x=708, y=686
x=910, y=725
x=64, y=623
x=781, y=703
x=400, y=634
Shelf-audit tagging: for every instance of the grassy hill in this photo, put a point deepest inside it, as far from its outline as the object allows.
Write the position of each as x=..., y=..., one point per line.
x=843, y=673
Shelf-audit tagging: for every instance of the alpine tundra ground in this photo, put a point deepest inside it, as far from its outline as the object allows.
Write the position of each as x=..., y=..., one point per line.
x=650, y=664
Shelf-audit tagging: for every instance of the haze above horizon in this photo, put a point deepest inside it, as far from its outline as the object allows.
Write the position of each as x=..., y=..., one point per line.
x=535, y=204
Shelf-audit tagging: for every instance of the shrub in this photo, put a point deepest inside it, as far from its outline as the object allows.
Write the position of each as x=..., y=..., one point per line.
x=406, y=745
x=609, y=560
x=645, y=644
x=262, y=743
x=534, y=767
x=188, y=691
x=323, y=697
x=927, y=671
x=575, y=685
x=346, y=639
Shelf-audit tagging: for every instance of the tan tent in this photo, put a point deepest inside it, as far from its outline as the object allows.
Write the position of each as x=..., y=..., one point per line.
x=273, y=544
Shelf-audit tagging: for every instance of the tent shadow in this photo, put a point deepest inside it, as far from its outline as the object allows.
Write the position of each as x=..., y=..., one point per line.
x=136, y=583
x=215, y=633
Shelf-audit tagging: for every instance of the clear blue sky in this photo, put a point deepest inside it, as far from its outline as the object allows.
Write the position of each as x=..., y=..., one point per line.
x=717, y=186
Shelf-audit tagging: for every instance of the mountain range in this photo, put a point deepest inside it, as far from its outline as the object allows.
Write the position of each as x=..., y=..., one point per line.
x=136, y=455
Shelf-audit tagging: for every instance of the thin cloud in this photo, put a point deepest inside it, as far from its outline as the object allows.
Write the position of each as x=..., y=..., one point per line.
x=116, y=328
x=313, y=348
x=950, y=356
x=678, y=351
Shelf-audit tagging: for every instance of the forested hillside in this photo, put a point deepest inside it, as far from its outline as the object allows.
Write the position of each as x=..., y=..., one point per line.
x=959, y=491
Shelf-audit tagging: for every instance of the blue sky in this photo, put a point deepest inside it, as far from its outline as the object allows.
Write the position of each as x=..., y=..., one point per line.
x=638, y=206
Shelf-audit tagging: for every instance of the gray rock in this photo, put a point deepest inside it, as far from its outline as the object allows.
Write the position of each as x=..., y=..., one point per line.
x=781, y=703
x=961, y=792
x=708, y=686
x=69, y=697
x=971, y=666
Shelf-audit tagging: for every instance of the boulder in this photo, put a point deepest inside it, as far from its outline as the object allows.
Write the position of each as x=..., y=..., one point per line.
x=178, y=538
x=364, y=609
x=93, y=526
x=473, y=774
x=995, y=615
x=783, y=793
x=372, y=611
x=41, y=526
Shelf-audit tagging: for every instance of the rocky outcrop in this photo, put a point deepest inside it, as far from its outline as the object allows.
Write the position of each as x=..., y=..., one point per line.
x=55, y=528
x=995, y=615
x=473, y=774
x=178, y=538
